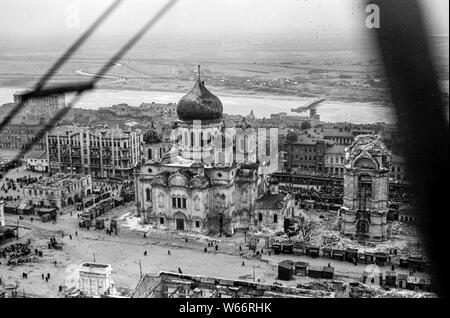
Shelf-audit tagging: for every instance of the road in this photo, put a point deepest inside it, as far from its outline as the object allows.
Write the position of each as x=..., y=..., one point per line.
x=125, y=250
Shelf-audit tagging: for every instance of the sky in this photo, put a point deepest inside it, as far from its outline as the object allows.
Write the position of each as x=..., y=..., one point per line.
x=45, y=18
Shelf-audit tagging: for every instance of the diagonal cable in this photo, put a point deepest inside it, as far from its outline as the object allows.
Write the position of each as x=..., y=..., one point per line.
x=62, y=112
x=67, y=54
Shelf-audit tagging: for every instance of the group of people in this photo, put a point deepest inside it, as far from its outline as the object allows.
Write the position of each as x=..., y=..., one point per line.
x=400, y=196
x=11, y=184
x=16, y=249
x=325, y=194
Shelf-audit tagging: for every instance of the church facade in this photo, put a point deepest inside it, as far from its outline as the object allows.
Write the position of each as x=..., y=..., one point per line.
x=205, y=178
x=366, y=189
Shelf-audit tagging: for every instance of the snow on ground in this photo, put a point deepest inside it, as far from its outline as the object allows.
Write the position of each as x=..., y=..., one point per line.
x=134, y=223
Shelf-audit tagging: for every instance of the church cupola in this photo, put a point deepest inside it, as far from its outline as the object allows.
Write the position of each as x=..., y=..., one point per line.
x=199, y=104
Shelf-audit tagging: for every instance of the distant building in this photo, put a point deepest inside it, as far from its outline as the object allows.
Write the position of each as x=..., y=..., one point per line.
x=59, y=190
x=305, y=151
x=95, y=279
x=294, y=120
x=37, y=160
x=102, y=153
x=40, y=107
x=398, y=169
x=408, y=214
x=334, y=160
x=16, y=136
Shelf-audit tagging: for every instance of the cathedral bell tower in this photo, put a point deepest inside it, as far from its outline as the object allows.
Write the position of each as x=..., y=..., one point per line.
x=366, y=189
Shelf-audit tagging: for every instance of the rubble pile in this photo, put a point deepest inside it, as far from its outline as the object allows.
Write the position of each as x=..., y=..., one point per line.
x=332, y=286
x=399, y=228
x=325, y=235
x=402, y=293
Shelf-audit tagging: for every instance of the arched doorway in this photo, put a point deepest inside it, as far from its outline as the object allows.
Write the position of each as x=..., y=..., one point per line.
x=180, y=221
x=362, y=227
x=364, y=190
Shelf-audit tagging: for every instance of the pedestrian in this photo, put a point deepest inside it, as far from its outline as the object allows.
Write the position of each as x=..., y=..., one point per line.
x=46, y=279
x=42, y=276
x=145, y=253
x=243, y=263
x=145, y=235
x=70, y=236
x=60, y=288
x=329, y=265
x=240, y=248
x=186, y=239
x=168, y=252
x=217, y=247
x=48, y=275
x=179, y=270
x=56, y=264
x=76, y=233
x=205, y=250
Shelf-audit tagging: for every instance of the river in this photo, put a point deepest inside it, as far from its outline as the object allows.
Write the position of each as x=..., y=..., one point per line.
x=262, y=104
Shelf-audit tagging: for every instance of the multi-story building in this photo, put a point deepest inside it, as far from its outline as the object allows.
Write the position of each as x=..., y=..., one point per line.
x=40, y=107
x=37, y=160
x=59, y=190
x=305, y=152
x=398, y=168
x=15, y=136
x=334, y=160
x=102, y=153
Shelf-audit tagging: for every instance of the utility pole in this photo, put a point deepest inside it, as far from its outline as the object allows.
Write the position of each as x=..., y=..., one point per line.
x=253, y=273
x=140, y=268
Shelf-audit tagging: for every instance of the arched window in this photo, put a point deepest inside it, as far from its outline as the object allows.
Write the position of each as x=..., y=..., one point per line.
x=186, y=138
x=150, y=153
x=244, y=196
x=161, y=200
x=275, y=218
x=197, y=203
x=192, y=139
x=148, y=195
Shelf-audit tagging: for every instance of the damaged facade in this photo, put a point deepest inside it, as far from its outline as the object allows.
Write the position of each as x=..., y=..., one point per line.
x=366, y=189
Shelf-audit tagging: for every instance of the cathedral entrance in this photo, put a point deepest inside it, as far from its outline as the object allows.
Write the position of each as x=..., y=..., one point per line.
x=180, y=224
x=180, y=221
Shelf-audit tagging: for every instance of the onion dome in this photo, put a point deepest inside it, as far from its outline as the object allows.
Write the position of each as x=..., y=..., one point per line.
x=199, y=104
x=152, y=136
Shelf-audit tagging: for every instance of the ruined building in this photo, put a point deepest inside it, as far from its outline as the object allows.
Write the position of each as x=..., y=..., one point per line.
x=366, y=189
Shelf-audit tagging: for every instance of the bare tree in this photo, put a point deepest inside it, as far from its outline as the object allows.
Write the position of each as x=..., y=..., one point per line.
x=217, y=221
x=307, y=228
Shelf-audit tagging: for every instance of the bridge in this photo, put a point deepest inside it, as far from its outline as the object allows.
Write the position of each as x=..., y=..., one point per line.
x=308, y=105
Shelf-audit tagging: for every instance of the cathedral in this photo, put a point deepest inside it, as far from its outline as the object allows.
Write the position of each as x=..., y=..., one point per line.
x=204, y=179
